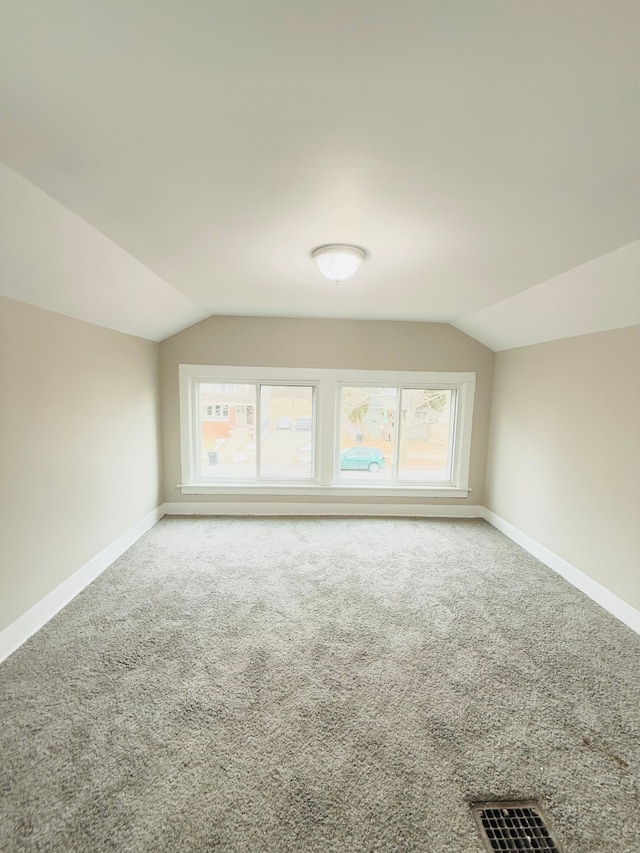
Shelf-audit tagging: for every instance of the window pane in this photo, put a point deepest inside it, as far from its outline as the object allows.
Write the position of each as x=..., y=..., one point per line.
x=227, y=431
x=425, y=434
x=287, y=432
x=367, y=433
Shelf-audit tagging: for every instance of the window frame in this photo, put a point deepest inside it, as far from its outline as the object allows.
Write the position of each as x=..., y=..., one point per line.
x=325, y=434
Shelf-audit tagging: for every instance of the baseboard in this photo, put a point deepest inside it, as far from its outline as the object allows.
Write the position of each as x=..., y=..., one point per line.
x=598, y=593
x=325, y=509
x=14, y=635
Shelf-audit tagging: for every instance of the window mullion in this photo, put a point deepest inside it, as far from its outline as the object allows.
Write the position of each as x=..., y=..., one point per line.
x=327, y=426
x=196, y=437
x=257, y=430
x=396, y=444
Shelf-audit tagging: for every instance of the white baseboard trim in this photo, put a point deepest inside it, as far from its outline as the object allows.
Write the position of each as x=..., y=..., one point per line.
x=324, y=509
x=14, y=635
x=598, y=593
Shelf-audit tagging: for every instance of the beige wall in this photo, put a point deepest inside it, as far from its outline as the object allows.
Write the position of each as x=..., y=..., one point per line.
x=79, y=446
x=80, y=432
x=564, y=453
x=357, y=344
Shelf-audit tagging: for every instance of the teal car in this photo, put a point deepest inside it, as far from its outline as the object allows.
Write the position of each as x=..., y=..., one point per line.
x=361, y=459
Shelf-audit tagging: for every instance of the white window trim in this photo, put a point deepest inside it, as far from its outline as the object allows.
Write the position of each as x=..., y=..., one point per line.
x=327, y=384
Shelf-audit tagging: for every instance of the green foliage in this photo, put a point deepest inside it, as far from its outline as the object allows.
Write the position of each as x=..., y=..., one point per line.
x=355, y=402
x=434, y=400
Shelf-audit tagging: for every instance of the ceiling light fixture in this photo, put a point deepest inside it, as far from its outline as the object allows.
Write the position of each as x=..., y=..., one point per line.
x=338, y=261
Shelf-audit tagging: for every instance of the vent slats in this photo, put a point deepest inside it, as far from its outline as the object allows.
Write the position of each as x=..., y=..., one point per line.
x=514, y=826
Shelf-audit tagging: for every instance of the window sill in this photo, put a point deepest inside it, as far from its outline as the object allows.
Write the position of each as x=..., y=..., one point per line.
x=307, y=490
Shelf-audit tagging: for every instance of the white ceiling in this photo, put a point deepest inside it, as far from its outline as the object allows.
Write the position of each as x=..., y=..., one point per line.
x=167, y=161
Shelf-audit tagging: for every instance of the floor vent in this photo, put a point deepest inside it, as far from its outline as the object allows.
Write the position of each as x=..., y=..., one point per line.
x=514, y=826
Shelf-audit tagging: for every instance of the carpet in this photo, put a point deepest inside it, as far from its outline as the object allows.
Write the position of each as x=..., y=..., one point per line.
x=303, y=684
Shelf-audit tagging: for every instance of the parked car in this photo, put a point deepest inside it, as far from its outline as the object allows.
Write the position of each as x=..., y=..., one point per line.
x=304, y=423
x=284, y=423
x=361, y=459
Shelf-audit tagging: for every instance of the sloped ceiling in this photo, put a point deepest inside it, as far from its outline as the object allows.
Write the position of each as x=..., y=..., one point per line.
x=165, y=162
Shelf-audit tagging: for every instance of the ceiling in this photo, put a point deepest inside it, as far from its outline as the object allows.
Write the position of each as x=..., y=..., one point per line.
x=168, y=161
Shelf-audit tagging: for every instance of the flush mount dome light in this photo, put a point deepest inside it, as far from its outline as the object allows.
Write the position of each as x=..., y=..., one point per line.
x=337, y=261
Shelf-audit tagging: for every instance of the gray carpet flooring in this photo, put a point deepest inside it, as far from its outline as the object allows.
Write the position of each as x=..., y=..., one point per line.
x=319, y=685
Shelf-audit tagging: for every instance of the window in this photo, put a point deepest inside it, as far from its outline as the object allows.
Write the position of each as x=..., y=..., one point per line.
x=286, y=438
x=319, y=431
x=260, y=432
x=367, y=433
x=426, y=434
x=399, y=434
x=227, y=445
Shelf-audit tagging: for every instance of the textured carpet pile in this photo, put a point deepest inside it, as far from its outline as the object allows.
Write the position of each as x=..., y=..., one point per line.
x=319, y=685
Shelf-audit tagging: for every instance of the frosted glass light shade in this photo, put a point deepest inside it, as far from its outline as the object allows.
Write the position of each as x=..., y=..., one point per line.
x=338, y=261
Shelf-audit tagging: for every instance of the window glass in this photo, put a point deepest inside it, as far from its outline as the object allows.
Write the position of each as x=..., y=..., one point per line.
x=268, y=427
x=367, y=433
x=227, y=431
x=287, y=432
x=425, y=434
